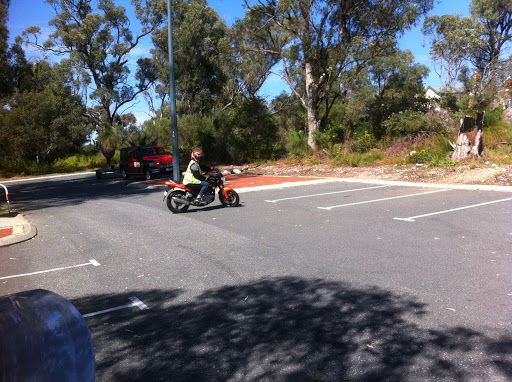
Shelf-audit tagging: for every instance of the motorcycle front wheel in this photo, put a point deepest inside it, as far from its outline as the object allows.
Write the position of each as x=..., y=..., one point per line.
x=174, y=206
x=231, y=201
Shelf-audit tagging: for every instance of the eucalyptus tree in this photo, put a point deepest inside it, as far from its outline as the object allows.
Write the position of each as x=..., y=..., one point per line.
x=328, y=43
x=200, y=43
x=4, y=48
x=495, y=17
x=99, y=37
x=248, y=65
x=398, y=86
x=454, y=41
x=492, y=57
x=46, y=116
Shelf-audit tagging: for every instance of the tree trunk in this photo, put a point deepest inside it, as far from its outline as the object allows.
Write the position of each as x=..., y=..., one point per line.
x=470, y=140
x=311, y=105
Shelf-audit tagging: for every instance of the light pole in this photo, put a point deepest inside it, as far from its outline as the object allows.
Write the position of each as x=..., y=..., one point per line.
x=172, y=97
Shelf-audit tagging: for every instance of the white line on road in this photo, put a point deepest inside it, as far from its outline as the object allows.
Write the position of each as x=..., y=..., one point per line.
x=411, y=219
x=380, y=200
x=91, y=262
x=325, y=193
x=49, y=177
x=135, y=302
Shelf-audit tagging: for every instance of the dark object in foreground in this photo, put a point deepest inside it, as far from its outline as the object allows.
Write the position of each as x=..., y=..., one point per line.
x=43, y=338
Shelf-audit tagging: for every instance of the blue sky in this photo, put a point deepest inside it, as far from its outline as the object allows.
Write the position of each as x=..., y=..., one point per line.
x=25, y=13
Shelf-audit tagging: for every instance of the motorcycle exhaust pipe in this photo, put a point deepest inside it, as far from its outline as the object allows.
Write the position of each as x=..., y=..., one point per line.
x=181, y=201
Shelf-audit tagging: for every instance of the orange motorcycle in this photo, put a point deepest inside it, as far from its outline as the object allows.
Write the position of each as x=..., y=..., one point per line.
x=180, y=197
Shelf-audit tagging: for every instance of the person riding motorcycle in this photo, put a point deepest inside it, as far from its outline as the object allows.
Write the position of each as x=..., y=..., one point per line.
x=194, y=178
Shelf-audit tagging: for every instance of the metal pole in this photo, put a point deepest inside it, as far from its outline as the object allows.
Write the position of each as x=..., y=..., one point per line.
x=172, y=96
x=6, y=197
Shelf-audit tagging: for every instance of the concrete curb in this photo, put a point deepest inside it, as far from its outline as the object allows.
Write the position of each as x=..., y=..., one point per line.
x=381, y=182
x=22, y=231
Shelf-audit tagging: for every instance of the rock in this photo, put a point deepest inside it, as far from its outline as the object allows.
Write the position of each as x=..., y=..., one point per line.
x=236, y=171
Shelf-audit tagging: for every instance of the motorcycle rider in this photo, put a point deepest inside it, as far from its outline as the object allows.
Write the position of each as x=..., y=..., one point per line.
x=194, y=177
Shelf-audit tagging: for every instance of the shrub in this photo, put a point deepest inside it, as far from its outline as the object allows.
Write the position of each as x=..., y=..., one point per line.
x=411, y=123
x=358, y=159
x=297, y=144
x=498, y=132
x=425, y=156
x=493, y=117
x=197, y=132
x=364, y=144
x=248, y=132
x=81, y=162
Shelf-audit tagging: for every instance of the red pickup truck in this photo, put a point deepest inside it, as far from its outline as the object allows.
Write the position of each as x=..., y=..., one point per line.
x=144, y=160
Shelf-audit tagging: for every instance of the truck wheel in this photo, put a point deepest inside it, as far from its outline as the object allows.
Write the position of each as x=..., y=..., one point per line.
x=124, y=173
x=147, y=173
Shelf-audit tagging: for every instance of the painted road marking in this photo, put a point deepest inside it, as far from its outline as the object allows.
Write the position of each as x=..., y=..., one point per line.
x=412, y=218
x=91, y=262
x=325, y=193
x=380, y=200
x=134, y=302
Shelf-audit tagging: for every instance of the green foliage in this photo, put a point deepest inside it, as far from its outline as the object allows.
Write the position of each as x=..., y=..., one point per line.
x=108, y=143
x=156, y=132
x=246, y=133
x=450, y=101
x=454, y=40
x=364, y=144
x=358, y=159
x=297, y=144
x=493, y=117
x=442, y=144
x=412, y=123
x=498, y=132
x=318, y=61
x=196, y=132
x=200, y=45
x=79, y=162
x=43, y=120
x=435, y=151
x=424, y=156
x=98, y=42
x=398, y=84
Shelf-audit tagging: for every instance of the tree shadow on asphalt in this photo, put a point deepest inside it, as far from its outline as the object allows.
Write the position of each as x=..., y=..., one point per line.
x=73, y=191
x=286, y=329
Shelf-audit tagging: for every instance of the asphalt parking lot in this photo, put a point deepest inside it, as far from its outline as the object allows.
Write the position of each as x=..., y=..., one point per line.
x=350, y=281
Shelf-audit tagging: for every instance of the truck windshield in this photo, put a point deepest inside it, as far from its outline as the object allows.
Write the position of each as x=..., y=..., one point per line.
x=150, y=151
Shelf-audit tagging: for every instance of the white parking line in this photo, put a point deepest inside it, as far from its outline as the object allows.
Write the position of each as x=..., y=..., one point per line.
x=135, y=302
x=380, y=200
x=91, y=262
x=325, y=193
x=412, y=218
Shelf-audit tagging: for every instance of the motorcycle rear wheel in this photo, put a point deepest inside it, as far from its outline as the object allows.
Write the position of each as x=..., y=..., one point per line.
x=173, y=205
x=231, y=201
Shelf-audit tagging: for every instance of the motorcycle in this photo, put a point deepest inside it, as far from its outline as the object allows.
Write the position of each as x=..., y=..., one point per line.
x=179, y=197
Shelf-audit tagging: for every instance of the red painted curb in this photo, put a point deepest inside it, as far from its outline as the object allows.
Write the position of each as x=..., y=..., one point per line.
x=4, y=232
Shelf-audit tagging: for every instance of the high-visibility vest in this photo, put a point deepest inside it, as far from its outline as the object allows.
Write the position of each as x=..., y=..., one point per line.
x=189, y=178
